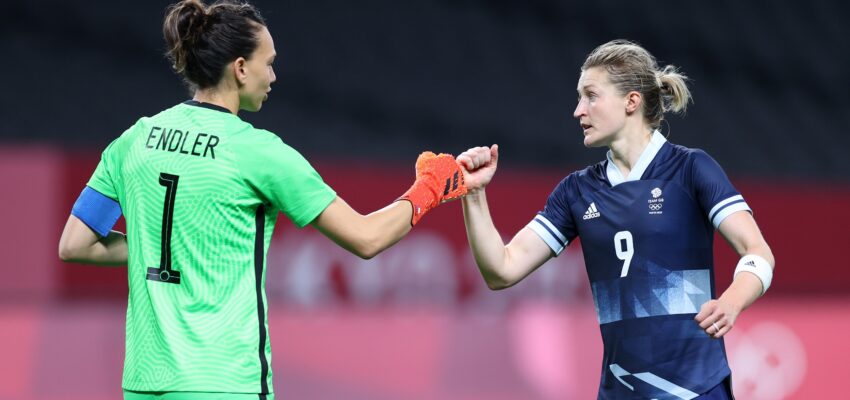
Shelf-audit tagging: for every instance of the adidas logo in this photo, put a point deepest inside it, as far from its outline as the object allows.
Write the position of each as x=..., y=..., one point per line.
x=750, y=263
x=591, y=212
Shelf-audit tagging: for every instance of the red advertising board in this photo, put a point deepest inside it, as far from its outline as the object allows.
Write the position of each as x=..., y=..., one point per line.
x=417, y=321
x=780, y=349
x=798, y=238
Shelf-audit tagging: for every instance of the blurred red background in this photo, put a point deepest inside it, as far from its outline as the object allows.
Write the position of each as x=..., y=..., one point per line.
x=416, y=322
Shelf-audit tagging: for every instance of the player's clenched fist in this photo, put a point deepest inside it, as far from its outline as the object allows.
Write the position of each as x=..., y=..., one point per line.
x=438, y=179
x=716, y=318
x=479, y=164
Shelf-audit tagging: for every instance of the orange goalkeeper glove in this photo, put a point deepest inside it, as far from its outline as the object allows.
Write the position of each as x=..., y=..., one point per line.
x=438, y=180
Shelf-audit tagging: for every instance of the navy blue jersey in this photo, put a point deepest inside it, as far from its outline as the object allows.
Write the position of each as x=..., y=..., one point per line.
x=647, y=242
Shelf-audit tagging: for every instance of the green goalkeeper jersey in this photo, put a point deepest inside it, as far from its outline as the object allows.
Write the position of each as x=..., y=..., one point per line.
x=200, y=190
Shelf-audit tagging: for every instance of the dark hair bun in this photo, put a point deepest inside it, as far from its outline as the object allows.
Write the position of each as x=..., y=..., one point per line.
x=184, y=24
x=201, y=40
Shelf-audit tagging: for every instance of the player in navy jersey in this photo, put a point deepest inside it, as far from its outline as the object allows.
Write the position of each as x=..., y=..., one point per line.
x=646, y=217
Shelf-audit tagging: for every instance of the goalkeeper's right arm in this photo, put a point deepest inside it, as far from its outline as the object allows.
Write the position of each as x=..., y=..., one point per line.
x=438, y=179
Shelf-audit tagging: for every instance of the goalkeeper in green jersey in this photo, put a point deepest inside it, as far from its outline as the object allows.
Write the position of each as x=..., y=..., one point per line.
x=200, y=190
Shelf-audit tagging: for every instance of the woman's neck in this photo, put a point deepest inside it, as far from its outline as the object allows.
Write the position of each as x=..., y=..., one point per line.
x=219, y=98
x=627, y=148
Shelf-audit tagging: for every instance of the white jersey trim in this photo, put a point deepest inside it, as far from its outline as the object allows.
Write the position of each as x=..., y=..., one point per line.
x=723, y=203
x=615, y=177
x=548, y=233
x=654, y=380
x=726, y=207
x=729, y=211
x=666, y=385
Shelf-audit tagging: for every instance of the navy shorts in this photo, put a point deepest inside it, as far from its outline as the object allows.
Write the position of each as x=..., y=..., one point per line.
x=723, y=391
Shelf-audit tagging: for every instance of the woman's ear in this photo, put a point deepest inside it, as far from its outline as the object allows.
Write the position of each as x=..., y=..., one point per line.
x=633, y=101
x=240, y=70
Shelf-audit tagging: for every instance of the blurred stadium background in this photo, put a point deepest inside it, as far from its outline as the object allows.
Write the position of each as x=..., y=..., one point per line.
x=362, y=88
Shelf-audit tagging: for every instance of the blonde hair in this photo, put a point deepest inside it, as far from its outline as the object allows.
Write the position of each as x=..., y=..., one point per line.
x=631, y=68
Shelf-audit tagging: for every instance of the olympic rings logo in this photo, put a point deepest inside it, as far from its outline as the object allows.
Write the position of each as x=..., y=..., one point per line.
x=655, y=207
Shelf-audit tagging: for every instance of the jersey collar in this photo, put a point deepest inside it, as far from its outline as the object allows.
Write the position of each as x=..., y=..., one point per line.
x=615, y=177
x=206, y=105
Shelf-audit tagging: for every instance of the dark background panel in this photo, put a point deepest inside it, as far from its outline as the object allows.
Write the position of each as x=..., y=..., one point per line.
x=385, y=79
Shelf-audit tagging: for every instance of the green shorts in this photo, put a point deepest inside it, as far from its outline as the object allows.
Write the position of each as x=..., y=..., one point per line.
x=131, y=395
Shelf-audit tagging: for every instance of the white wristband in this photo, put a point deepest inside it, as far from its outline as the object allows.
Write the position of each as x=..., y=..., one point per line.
x=758, y=266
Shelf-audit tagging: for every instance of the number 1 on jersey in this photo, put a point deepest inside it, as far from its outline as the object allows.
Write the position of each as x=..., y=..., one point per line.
x=626, y=252
x=164, y=273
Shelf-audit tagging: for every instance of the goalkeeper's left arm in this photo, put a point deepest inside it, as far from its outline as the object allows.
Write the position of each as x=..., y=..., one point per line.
x=79, y=244
x=438, y=179
x=88, y=236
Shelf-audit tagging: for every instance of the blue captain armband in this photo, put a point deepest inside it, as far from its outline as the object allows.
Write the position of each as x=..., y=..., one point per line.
x=97, y=211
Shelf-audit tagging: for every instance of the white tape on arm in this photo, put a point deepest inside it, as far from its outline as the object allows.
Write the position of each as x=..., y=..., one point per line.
x=758, y=266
